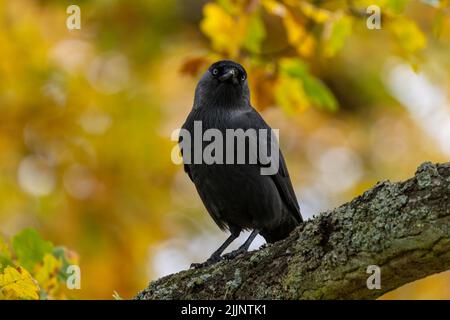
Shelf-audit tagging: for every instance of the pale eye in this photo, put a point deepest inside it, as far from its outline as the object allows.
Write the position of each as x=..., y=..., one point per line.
x=215, y=72
x=243, y=77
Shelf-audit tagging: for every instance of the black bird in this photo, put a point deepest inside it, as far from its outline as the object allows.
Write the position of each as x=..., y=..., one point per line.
x=237, y=196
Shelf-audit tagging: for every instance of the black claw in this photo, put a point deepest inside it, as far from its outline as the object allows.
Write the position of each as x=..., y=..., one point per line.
x=234, y=254
x=196, y=265
x=207, y=263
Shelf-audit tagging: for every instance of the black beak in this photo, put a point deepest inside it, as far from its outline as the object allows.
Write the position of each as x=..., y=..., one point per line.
x=230, y=73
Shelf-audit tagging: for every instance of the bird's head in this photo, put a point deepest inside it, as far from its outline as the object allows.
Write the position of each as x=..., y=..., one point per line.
x=227, y=72
x=224, y=84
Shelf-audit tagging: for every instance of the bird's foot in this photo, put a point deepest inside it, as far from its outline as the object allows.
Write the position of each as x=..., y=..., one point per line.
x=234, y=254
x=212, y=260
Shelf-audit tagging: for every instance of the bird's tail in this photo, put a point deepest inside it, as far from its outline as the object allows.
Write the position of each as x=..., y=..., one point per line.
x=281, y=231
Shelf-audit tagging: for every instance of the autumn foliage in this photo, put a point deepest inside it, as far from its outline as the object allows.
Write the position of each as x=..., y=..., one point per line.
x=87, y=117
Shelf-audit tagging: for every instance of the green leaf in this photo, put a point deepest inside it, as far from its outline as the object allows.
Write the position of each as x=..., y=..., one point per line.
x=229, y=6
x=30, y=248
x=319, y=94
x=255, y=33
x=5, y=262
x=62, y=254
x=5, y=256
x=316, y=91
x=339, y=30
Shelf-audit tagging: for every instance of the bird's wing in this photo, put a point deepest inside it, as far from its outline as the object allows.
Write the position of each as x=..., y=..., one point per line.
x=188, y=123
x=188, y=171
x=251, y=119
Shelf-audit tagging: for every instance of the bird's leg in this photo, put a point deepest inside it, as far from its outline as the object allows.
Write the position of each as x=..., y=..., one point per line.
x=244, y=247
x=215, y=257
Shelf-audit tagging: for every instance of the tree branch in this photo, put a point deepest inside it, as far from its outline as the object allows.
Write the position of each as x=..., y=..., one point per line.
x=404, y=228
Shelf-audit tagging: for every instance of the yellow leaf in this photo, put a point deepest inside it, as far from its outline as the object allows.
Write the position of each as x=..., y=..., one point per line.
x=47, y=272
x=295, y=31
x=274, y=7
x=306, y=48
x=290, y=95
x=226, y=33
x=17, y=283
x=408, y=34
x=317, y=14
x=297, y=36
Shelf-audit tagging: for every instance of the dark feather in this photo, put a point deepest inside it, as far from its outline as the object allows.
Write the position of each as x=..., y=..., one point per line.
x=237, y=196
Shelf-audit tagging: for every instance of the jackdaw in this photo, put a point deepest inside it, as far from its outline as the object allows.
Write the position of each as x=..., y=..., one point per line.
x=237, y=196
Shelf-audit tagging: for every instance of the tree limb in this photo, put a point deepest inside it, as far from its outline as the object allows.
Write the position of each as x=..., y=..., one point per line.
x=404, y=228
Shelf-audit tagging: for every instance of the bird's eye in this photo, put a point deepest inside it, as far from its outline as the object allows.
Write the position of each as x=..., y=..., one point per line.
x=243, y=77
x=215, y=72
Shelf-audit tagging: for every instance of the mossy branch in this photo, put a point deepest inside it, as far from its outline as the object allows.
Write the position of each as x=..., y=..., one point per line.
x=404, y=228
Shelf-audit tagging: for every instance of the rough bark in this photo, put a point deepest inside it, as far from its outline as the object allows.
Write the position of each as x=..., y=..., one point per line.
x=404, y=228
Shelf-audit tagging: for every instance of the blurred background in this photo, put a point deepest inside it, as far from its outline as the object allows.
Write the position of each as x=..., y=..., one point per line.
x=86, y=117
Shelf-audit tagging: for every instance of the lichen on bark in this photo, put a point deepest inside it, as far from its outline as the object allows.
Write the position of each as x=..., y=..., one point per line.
x=403, y=227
